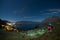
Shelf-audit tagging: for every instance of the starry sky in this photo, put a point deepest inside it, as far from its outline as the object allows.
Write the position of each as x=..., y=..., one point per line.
x=28, y=10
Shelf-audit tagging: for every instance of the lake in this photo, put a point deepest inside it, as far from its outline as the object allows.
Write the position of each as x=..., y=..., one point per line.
x=28, y=26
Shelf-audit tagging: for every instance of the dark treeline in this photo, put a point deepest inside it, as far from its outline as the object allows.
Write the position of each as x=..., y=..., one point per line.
x=2, y=22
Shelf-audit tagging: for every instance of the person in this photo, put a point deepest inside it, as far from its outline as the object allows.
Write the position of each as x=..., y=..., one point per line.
x=50, y=28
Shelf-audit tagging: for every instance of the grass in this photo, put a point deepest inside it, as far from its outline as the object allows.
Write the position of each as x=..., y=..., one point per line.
x=29, y=35
x=55, y=35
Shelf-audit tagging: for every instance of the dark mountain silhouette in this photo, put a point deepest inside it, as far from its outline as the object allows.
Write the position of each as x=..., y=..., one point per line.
x=26, y=22
x=3, y=22
x=52, y=19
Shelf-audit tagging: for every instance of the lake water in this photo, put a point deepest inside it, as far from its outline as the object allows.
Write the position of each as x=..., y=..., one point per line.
x=28, y=26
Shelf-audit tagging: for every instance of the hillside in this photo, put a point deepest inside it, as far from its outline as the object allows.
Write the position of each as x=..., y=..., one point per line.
x=3, y=22
x=52, y=19
x=55, y=35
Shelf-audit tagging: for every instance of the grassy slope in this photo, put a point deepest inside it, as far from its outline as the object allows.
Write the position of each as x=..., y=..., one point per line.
x=10, y=35
x=55, y=35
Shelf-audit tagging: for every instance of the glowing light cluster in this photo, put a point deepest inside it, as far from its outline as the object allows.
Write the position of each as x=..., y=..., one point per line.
x=11, y=24
x=34, y=34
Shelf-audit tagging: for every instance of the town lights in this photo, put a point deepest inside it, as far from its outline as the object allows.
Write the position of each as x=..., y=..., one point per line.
x=11, y=24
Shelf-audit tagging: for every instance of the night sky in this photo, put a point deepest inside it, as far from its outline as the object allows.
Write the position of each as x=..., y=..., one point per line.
x=28, y=10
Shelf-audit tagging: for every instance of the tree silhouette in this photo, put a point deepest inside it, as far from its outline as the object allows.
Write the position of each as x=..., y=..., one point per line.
x=36, y=26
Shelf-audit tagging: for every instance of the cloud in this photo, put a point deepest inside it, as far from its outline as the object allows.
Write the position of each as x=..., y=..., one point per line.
x=29, y=16
x=50, y=11
x=57, y=10
x=54, y=10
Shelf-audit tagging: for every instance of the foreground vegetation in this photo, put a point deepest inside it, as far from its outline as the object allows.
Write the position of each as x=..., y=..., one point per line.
x=10, y=35
x=25, y=35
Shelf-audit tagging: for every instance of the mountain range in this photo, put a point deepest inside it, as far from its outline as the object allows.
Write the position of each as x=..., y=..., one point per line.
x=52, y=19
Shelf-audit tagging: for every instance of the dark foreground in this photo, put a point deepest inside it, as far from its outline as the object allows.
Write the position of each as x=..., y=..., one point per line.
x=55, y=35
